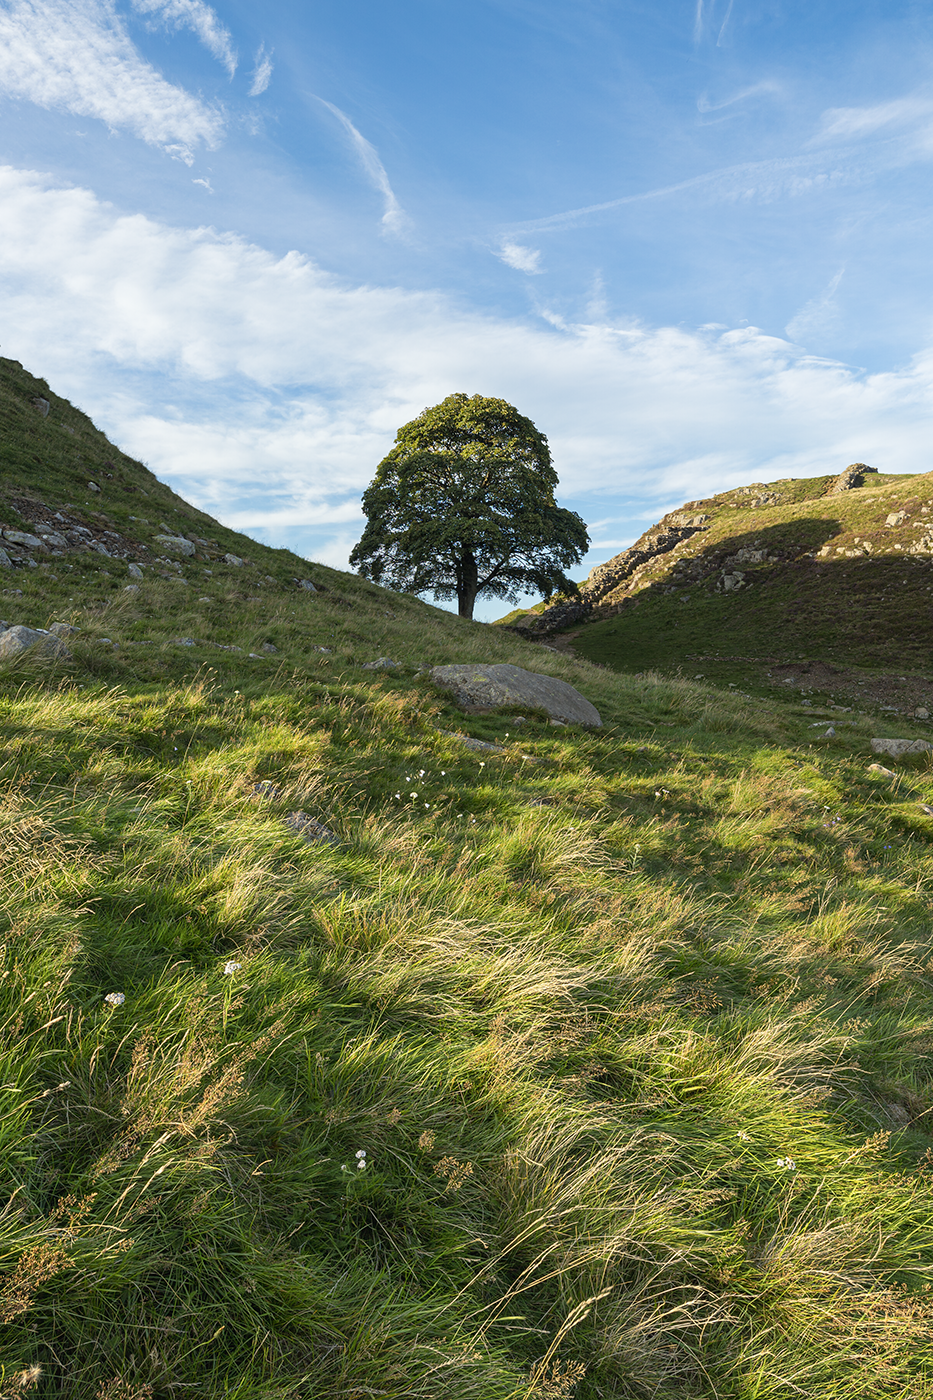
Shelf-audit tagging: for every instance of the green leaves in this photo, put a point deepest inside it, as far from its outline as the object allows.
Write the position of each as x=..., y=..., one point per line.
x=464, y=504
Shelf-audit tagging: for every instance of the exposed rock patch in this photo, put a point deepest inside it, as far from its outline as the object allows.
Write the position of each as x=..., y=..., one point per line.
x=499, y=685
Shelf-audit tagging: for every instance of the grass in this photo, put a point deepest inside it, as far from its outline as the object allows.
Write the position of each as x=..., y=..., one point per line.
x=830, y=580
x=632, y=1027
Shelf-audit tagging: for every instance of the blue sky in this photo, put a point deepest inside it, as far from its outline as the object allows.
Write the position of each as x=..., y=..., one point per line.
x=691, y=241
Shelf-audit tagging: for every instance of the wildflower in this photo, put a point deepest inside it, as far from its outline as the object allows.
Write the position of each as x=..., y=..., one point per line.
x=231, y=967
x=344, y=1167
x=361, y=1160
x=746, y=1137
x=413, y=794
x=787, y=1164
x=361, y=1153
x=115, y=998
x=421, y=773
x=428, y=805
x=483, y=765
x=443, y=772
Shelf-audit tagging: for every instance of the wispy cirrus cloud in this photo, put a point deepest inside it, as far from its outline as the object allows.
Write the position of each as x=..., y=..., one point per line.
x=262, y=72
x=756, y=90
x=851, y=123
x=394, y=218
x=761, y=181
x=201, y=19
x=521, y=258
x=77, y=57
x=819, y=316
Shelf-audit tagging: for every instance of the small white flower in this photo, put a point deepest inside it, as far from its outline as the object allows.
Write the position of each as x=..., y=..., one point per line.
x=361, y=1153
x=361, y=1166
x=413, y=794
x=482, y=765
x=115, y=998
x=428, y=805
x=744, y=1136
x=421, y=773
x=231, y=967
x=344, y=1167
x=443, y=772
x=787, y=1164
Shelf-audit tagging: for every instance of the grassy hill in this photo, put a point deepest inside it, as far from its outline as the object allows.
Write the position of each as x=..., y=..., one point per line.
x=782, y=572
x=340, y=1057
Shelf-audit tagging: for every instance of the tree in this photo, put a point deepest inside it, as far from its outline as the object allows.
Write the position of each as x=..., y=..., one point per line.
x=464, y=504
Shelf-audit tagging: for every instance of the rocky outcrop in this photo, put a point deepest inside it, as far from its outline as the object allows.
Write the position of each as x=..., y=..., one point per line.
x=499, y=685
x=851, y=478
x=606, y=578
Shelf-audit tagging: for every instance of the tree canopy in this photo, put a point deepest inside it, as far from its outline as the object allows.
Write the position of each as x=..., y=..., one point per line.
x=464, y=505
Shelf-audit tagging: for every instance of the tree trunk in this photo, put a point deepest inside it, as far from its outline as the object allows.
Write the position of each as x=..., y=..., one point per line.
x=467, y=584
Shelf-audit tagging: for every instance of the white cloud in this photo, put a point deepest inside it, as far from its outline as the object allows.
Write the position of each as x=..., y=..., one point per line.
x=206, y=183
x=819, y=316
x=195, y=15
x=267, y=390
x=394, y=218
x=522, y=259
x=848, y=123
x=704, y=104
x=262, y=73
x=77, y=57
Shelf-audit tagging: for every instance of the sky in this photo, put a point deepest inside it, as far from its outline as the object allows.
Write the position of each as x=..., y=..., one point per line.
x=690, y=241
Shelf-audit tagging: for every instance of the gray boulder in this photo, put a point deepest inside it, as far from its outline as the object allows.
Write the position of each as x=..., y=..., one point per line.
x=43, y=406
x=233, y=560
x=16, y=640
x=135, y=571
x=896, y=748
x=5, y=561
x=63, y=629
x=307, y=585
x=176, y=543
x=499, y=685
x=20, y=537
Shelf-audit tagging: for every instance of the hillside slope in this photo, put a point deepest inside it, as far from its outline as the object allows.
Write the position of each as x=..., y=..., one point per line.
x=832, y=569
x=352, y=1045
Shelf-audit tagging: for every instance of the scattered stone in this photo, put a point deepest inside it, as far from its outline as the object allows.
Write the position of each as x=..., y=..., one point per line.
x=383, y=663
x=897, y=517
x=135, y=571
x=499, y=685
x=64, y=629
x=43, y=406
x=92, y=485
x=311, y=830
x=266, y=789
x=233, y=560
x=131, y=588
x=177, y=544
x=5, y=561
x=879, y=768
x=328, y=651
x=921, y=712
x=558, y=723
x=184, y=642
x=830, y=733
x=21, y=538
x=896, y=748
x=307, y=585
x=269, y=649
x=204, y=600
x=928, y=811
x=15, y=640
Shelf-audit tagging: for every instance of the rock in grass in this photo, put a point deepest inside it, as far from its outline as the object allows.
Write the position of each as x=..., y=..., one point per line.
x=879, y=768
x=233, y=560
x=382, y=663
x=64, y=629
x=20, y=537
x=311, y=830
x=16, y=640
x=5, y=561
x=176, y=543
x=135, y=571
x=897, y=748
x=500, y=685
